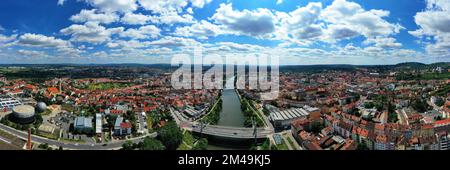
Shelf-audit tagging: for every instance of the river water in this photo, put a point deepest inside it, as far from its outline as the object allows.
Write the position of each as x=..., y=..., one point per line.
x=231, y=115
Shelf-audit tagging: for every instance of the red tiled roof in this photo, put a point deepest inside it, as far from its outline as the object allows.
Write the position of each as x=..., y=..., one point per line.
x=442, y=122
x=363, y=132
x=52, y=90
x=150, y=108
x=29, y=86
x=381, y=138
x=313, y=146
x=125, y=125
x=379, y=126
x=116, y=112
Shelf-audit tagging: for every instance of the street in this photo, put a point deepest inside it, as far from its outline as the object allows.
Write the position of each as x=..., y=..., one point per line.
x=73, y=146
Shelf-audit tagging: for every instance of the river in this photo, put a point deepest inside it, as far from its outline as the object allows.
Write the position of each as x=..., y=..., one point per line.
x=231, y=115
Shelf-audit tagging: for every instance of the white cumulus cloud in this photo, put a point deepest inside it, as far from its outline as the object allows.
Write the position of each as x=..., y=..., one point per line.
x=90, y=32
x=259, y=22
x=94, y=16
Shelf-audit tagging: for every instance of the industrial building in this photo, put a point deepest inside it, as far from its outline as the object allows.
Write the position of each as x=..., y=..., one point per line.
x=7, y=104
x=23, y=114
x=282, y=119
x=83, y=124
x=98, y=123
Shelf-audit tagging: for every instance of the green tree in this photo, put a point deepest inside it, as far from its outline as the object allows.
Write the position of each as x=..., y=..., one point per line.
x=130, y=115
x=128, y=145
x=266, y=145
x=202, y=144
x=38, y=120
x=170, y=135
x=151, y=144
x=316, y=127
x=43, y=146
x=369, y=105
x=362, y=146
x=439, y=102
x=419, y=105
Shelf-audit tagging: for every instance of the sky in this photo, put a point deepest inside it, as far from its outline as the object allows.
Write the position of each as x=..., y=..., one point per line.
x=299, y=32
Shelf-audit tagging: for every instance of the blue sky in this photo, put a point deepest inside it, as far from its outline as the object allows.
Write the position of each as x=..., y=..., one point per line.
x=152, y=31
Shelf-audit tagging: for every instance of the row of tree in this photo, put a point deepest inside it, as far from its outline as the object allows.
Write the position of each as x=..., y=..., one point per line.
x=169, y=138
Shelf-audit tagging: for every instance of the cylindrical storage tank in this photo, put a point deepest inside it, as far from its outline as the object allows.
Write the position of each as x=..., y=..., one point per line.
x=23, y=114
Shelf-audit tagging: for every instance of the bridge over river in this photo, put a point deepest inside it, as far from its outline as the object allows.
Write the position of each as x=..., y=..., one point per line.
x=231, y=120
x=220, y=130
x=227, y=131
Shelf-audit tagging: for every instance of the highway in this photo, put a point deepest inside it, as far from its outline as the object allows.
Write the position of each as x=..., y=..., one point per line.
x=72, y=146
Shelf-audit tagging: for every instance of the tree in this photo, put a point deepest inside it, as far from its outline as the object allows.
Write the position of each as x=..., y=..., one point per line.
x=151, y=144
x=130, y=115
x=439, y=102
x=379, y=106
x=362, y=146
x=202, y=144
x=38, y=120
x=170, y=135
x=369, y=105
x=128, y=145
x=43, y=146
x=392, y=117
x=316, y=127
x=419, y=105
x=111, y=120
x=266, y=145
x=354, y=111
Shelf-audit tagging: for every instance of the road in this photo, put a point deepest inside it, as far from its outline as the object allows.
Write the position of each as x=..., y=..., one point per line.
x=296, y=145
x=223, y=131
x=230, y=132
x=72, y=146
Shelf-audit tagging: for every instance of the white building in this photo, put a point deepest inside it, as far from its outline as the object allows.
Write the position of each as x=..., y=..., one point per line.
x=98, y=123
x=283, y=119
x=6, y=104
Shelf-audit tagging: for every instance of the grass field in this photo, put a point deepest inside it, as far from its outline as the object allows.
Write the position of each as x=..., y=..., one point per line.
x=72, y=140
x=107, y=86
x=188, y=141
x=290, y=142
x=282, y=146
x=435, y=76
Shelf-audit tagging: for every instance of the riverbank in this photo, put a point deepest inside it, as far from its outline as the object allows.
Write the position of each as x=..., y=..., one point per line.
x=250, y=112
x=213, y=115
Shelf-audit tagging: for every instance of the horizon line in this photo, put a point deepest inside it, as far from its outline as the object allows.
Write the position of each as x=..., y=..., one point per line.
x=223, y=64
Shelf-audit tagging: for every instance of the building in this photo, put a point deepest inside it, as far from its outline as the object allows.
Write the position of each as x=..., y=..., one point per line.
x=191, y=112
x=381, y=142
x=283, y=119
x=122, y=128
x=23, y=114
x=98, y=123
x=349, y=145
x=6, y=104
x=83, y=125
x=444, y=140
x=442, y=125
